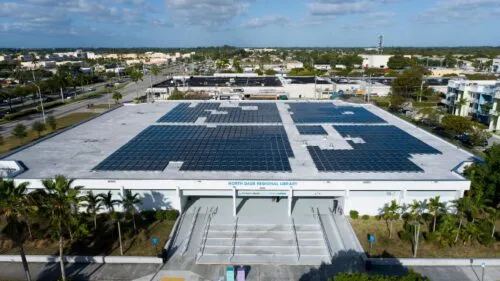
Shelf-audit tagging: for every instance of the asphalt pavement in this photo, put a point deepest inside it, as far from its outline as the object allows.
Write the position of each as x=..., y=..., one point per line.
x=128, y=93
x=150, y=272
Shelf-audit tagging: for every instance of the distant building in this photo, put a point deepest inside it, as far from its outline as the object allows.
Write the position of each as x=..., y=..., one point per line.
x=376, y=61
x=326, y=67
x=294, y=64
x=495, y=67
x=482, y=100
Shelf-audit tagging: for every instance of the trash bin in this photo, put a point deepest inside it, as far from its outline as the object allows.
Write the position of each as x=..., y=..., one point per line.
x=229, y=273
x=240, y=273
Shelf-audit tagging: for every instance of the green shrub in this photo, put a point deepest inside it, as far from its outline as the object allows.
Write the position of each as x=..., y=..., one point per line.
x=160, y=215
x=171, y=215
x=19, y=114
x=411, y=276
x=148, y=215
x=353, y=214
x=49, y=105
x=365, y=217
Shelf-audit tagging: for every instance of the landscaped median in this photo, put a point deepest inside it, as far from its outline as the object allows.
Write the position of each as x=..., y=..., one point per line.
x=401, y=245
x=12, y=142
x=98, y=244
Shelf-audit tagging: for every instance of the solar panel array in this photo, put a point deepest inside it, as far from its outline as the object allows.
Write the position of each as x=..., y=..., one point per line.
x=383, y=149
x=201, y=148
x=385, y=138
x=328, y=160
x=311, y=130
x=330, y=113
x=183, y=113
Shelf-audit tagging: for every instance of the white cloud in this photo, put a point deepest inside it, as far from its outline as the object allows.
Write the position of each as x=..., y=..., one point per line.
x=339, y=8
x=210, y=13
x=265, y=21
x=445, y=11
x=68, y=17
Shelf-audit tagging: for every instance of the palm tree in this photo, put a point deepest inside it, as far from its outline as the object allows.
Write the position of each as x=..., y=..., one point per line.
x=13, y=204
x=93, y=203
x=62, y=199
x=461, y=102
x=417, y=210
x=129, y=202
x=117, y=96
x=136, y=75
x=461, y=205
x=493, y=216
x=435, y=208
x=155, y=70
x=110, y=203
x=391, y=213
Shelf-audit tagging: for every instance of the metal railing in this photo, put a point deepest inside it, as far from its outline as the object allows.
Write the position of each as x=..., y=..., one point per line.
x=211, y=213
x=296, y=239
x=325, y=238
x=234, y=238
x=193, y=223
x=335, y=226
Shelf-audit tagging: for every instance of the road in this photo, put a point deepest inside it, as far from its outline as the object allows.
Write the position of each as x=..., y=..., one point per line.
x=128, y=93
x=146, y=272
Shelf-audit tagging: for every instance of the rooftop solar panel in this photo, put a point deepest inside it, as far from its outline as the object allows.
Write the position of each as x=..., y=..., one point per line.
x=330, y=113
x=201, y=148
x=215, y=113
x=311, y=130
x=375, y=149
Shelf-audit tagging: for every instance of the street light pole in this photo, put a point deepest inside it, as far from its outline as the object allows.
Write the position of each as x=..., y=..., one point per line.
x=39, y=94
x=483, y=265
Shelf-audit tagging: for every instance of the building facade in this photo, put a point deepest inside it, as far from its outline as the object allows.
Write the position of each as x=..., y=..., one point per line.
x=476, y=98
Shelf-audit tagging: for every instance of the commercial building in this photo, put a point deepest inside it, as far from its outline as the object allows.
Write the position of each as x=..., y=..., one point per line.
x=479, y=99
x=376, y=61
x=495, y=67
x=250, y=175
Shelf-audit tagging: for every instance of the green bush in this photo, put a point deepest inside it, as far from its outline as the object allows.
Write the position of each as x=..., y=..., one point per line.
x=171, y=215
x=21, y=113
x=49, y=105
x=353, y=214
x=411, y=276
x=148, y=215
x=160, y=215
x=365, y=217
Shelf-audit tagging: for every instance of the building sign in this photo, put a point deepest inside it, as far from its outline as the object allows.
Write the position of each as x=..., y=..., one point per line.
x=265, y=193
x=262, y=184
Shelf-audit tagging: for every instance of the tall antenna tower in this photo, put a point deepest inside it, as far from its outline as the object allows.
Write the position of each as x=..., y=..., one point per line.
x=380, y=44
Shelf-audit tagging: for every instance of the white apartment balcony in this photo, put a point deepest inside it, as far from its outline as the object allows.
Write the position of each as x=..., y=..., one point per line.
x=497, y=94
x=472, y=110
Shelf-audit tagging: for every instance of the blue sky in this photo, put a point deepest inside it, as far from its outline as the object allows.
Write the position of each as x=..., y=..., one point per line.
x=247, y=23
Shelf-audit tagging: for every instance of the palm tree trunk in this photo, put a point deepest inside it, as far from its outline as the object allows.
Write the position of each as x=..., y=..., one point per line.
x=434, y=224
x=120, y=238
x=493, y=230
x=61, y=257
x=458, y=232
x=29, y=230
x=95, y=222
x=133, y=219
x=417, y=234
x=25, y=262
x=390, y=229
x=136, y=89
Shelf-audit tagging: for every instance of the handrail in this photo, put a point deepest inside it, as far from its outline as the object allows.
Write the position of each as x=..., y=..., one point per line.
x=296, y=239
x=193, y=222
x=234, y=239
x=325, y=238
x=205, y=232
x=335, y=226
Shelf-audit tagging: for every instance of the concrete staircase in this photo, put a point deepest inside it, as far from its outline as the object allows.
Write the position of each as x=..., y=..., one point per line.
x=263, y=244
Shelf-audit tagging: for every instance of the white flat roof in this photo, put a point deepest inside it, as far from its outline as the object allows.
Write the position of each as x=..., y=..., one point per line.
x=77, y=151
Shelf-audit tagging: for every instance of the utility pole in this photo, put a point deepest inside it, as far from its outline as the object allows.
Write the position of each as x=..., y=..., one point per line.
x=39, y=94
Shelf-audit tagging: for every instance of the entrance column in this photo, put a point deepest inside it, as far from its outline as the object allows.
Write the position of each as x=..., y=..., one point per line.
x=290, y=198
x=234, y=201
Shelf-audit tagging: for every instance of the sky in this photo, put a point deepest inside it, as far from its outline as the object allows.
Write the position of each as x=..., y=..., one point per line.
x=248, y=23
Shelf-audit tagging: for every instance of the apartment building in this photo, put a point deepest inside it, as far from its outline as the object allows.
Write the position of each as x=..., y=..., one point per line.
x=479, y=99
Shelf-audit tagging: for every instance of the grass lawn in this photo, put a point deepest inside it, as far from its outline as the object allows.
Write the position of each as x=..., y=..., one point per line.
x=12, y=142
x=395, y=247
x=104, y=241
